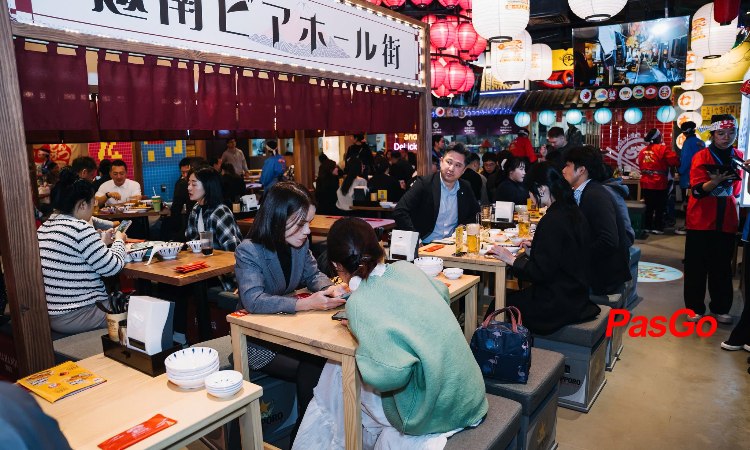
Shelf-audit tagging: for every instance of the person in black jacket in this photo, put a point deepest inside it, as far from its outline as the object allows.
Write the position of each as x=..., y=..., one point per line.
x=362, y=151
x=400, y=168
x=470, y=175
x=383, y=182
x=233, y=185
x=498, y=176
x=513, y=189
x=559, y=260
x=609, y=246
x=326, y=186
x=180, y=202
x=437, y=203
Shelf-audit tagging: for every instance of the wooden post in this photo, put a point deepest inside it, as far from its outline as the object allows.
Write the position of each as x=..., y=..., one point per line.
x=138, y=165
x=424, y=140
x=18, y=240
x=301, y=160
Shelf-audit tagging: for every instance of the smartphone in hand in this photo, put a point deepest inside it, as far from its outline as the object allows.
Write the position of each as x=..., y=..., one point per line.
x=341, y=315
x=124, y=226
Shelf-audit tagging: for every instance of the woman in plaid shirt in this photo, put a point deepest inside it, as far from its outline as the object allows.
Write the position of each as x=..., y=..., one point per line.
x=209, y=213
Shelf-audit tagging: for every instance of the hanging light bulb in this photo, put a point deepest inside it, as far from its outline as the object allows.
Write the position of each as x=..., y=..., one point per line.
x=510, y=60
x=466, y=37
x=442, y=34
x=693, y=61
x=541, y=62
x=690, y=100
x=708, y=38
x=455, y=76
x=500, y=20
x=693, y=80
x=596, y=10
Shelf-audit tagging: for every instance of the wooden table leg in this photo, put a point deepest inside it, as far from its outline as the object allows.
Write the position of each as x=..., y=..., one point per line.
x=352, y=403
x=202, y=310
x=499, y=288
x=251, y=428
x=470, y=316
x=239, y=351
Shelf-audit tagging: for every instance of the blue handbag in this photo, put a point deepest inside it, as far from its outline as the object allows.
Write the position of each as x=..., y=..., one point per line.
x=503, y=350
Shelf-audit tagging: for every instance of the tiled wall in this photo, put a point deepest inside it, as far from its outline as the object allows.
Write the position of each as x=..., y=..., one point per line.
x=113, y=151
x=160, y=166
x=624, y=141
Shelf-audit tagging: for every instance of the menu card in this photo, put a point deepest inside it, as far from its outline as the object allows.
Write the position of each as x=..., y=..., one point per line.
x=60, y=381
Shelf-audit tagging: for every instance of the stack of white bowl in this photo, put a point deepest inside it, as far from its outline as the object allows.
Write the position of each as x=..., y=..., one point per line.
x=189, y=368
x=430, y=265
x=224, y=383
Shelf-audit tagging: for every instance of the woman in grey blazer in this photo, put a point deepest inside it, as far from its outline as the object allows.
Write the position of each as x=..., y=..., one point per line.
x=272, y=262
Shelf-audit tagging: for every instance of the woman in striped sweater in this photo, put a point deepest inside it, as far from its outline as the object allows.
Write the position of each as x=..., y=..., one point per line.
x=74, y=257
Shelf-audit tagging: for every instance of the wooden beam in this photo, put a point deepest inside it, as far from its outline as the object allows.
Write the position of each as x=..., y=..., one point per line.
x=301, y=160
x=424, y=138
x=18, y=240
x=138, y=165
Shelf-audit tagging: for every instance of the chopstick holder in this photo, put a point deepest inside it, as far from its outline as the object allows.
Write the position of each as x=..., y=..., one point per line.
x=137, y=433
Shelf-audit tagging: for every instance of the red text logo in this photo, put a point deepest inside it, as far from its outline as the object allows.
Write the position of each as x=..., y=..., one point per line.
x=659, y=324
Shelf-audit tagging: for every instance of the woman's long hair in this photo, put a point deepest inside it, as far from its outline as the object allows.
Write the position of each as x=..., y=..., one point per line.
x=547, y=174
x=69, y=190
x=283, y=201
x=353, y=170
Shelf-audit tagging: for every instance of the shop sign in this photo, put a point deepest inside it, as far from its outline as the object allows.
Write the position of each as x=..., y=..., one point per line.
x=326, y=35
x=501, y=125
x=612, y=95
x=626, y=93
x=585, y=95
x=441, y=127
x=651, y=92
x=638, y=92
x=440, y=111
x=601, y=95
x=712, y=110
x=665, y=92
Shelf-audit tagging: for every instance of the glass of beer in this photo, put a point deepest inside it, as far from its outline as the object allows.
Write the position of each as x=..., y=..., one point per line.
x=486, y=217
x=460, y=239
x=473, y=239
x=524, y=223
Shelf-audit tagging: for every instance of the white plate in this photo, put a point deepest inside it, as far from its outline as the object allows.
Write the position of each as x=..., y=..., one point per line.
x=224, y=379
x=136, y=210
x=224, y=394
x=191, y=359
x=193, y=375
x=223, y=389
x=188, y=384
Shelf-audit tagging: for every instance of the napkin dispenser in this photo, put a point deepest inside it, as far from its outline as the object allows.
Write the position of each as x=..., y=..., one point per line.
x=360, y=193
x=504, y=211
x=404, y=244
x=250, y=201
x=150, y=324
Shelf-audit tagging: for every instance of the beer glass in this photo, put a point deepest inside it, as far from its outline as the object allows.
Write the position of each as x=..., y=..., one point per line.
x=473, y=239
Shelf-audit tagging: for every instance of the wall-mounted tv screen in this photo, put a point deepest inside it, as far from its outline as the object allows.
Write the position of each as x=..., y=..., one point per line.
x=650, y=52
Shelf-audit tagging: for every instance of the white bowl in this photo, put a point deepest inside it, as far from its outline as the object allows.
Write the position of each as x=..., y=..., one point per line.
x=224, y=394
x=193, y=384
x=511, y=232
x=428, y=261
x=169, y=252
x=224, y=379
x=203, y=373
x=191, y=359
x=195, y=246
x=431, y=272
x=137, y=255
x=453, y=273
x=516, y=240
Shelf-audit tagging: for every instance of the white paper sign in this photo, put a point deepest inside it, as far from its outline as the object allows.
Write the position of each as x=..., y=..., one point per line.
x=320, y=34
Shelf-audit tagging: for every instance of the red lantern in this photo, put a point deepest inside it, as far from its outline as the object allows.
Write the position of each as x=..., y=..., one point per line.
x=393, y=4
x=375, y=2
x=442, y=34
x=433, y=51
x=452, y=50
x=455, y=76
x=442, y=91
x=725, y=11
x=469, y=81
x=465, y=5
x=449, y=3
x=479, y=47
x=421, y=3
x=430, y=19
x=437, y=74
x=466, y=37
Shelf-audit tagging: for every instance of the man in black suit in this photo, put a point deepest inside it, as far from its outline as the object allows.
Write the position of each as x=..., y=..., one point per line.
x=437, y=203
x=609, y=246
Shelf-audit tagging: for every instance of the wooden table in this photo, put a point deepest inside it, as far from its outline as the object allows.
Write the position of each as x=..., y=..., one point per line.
x=378, y=209
x=321, y=224
x=481, y=264
x=220, y=263
x=142, y=216
x=316, y=333
x=130, y=397
x=632, y=182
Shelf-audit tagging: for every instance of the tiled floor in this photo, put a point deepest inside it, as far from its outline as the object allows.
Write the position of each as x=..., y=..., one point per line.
x=667, y=392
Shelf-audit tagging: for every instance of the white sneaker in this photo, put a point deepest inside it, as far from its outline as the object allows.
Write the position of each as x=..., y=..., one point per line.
x=746, y=347
x=695, y=318
x=727, y=346
x=724, y=318
x=657, y=232
x=681, y=231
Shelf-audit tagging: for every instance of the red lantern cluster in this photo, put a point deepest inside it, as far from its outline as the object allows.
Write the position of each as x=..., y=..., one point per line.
x=453, y=78
x=453, y=42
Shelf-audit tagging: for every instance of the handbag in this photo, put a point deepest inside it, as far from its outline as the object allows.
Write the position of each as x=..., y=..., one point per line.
x=503, y=350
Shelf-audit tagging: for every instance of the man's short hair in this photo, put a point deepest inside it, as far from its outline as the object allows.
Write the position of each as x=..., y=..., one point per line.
x=119, y=163
x=473, y=157
x=460, y=148
x=436, y=138
x=359, y=137
x=396, y=154
x=555, y=132
x=588, y=157
x=83, y=162
x=185, y=162
x=272, y=144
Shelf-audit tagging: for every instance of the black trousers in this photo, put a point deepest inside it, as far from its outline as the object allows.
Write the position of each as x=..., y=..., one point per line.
x=708, y=256
x=741, y=332
x=656, y=204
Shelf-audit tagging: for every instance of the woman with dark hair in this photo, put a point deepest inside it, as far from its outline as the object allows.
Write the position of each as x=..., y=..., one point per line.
x=654, y=161
x=353, y=179
x=326, y=186
x=494, y=180
x=273, y=262
x=558, y=265
x=417, y=384
x=209, y=213
x=233, y=184
x=103, y=171
x=513, y=189
x=384, y=182
x=75, y=258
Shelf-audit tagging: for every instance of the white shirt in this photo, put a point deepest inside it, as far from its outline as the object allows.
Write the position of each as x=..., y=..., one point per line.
x=346, y=201
x=128, y=189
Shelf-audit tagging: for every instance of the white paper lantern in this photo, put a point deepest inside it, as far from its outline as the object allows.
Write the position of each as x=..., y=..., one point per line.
x=596, y=10
x=690, y=100
x=547, y=118
x=693, y=80
x=522, y=119
x=693, y=61
x=666, y=114
x=633, y=115
x=602, y=116
x=541, y=62
x=511, y=60
x=708, y=39
x=500, y=20
x=573, y=117
x=690, y=116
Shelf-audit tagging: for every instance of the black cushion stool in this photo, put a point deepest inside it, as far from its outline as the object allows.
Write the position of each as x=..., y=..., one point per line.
x=538, y=398
x=614, y=342
x=584, y=347
x=499, y=431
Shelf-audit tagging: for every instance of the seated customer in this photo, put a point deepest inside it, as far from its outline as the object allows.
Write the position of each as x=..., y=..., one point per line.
x=232, y=184
x=384, y=182
x=558, y=265
x=417, y=383
x=75, y=258
x=609, y=244
x=494, y=180
x=437, y=203
x=477, y=181
x=619, y=192
x=400, y=169
x=326, y=186
x=513, y=189
x=353, y=179
x=273, y=262
x=119, y=189
x=209, y=213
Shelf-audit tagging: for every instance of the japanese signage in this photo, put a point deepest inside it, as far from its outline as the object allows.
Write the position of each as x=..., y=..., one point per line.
x=320, y=34
x=712, y=110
